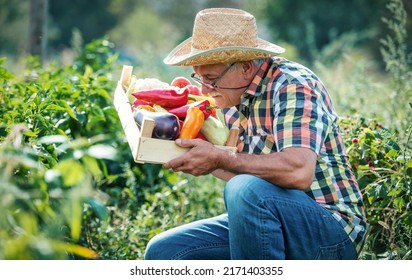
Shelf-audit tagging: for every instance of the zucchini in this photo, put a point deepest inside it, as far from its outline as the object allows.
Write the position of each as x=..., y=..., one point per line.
x=215, y=131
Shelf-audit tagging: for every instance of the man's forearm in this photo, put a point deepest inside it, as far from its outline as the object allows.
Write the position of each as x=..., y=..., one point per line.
x=292, y=168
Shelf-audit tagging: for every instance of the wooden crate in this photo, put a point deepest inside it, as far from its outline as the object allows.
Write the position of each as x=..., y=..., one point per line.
x=143, y=147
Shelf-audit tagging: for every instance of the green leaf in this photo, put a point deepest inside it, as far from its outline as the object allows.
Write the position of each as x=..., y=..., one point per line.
x=46, y=86
x=391, y=154
x=44, y=123
x=92, y=166
x=104, y=94
x=55, y=107
x=42, y=104
x=98, y=114
x=408, y=219
x=74, y=216
x=99, y=208
x=52, y=139
x=67, y=108
x=376, y=191
x=394, y=191
x=75, y=249
x=409, y=169
x=88, y=71
x=32, y=88
x=72, y=172
x=30, y=133
x=102, y=152
x=28, y=222
x=400, y=203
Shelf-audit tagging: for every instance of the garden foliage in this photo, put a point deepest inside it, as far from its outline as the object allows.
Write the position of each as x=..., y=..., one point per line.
x=383, y=169
x=62, y=151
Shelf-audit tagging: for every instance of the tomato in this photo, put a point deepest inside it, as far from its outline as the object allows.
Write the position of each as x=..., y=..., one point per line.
x=195, y=90
x=180, y=82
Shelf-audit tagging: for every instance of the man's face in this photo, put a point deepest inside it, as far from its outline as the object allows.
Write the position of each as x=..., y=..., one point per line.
x=233, y=78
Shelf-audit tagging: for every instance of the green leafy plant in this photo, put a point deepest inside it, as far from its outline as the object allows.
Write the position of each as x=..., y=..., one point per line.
x=64, y=161
x=383, y=169
x=41, y=209
x=55, y=151
x=179, y=200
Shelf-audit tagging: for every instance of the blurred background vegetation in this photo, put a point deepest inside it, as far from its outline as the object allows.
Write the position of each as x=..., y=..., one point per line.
x=139, y=27
x=69, y=187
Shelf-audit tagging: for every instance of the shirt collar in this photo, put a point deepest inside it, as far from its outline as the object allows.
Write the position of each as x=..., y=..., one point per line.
x=257, y=81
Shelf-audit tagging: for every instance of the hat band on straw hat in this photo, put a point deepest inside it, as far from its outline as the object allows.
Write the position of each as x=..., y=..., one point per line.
x=222, y=35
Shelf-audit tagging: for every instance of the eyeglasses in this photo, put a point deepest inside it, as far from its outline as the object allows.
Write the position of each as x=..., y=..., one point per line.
x=195, y=77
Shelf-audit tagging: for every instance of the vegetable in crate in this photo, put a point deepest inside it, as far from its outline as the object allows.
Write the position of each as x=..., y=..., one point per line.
x=167, y=97
x=145, y=107
x=180, y=82
x=192, y=123
x=194, y=90
x=194, y=98
x=166, y=127
x=215, y=131
x=143, y=84
x=203, y=105
x=137, y=103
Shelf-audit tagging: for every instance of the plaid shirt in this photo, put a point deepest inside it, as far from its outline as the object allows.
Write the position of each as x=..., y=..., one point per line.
x=286, y=105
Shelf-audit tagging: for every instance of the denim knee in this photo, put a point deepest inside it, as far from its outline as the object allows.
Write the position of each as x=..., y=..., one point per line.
x=240, y=189
x=257, y=190
x=150, y=249
x=155, y=250
x=234, y=187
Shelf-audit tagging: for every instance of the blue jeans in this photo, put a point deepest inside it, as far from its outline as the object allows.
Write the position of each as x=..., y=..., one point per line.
x=263, y=221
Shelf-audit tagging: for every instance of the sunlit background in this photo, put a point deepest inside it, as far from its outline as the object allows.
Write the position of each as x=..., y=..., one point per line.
x=147, y=28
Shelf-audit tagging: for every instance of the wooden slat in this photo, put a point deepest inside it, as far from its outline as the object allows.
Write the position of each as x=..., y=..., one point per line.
x=158, y=151
x=125, y=114
x=147, y=128
x=233, y=137
x=126, y=76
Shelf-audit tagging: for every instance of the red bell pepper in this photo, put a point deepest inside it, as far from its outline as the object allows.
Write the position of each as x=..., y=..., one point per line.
x=138, y=102
x=168, y=97
x=213, y=112
x=201, y=136
x=203, y=105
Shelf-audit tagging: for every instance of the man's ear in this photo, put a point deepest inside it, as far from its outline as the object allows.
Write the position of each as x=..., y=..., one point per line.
x=248, y=69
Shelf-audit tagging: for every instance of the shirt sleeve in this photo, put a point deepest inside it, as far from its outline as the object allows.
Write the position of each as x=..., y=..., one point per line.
x=300, y=119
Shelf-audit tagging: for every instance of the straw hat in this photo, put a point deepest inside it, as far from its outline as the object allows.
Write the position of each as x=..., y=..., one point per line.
x=222, y=35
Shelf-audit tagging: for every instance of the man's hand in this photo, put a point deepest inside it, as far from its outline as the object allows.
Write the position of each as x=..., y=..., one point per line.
x=201, y=159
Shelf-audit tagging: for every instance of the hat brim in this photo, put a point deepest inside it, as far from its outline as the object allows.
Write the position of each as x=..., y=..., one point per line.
x=185, y=55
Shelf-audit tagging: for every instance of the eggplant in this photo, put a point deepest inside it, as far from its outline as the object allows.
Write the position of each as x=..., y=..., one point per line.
x=166, y=127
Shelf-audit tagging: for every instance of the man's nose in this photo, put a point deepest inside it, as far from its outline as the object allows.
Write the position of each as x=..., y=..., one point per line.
x=205, y=89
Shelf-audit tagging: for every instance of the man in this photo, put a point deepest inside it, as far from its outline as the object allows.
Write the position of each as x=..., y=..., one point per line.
x=290, y=192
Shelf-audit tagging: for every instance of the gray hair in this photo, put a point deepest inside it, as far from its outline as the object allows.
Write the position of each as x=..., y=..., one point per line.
x=259, y=61
x=256, y=62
